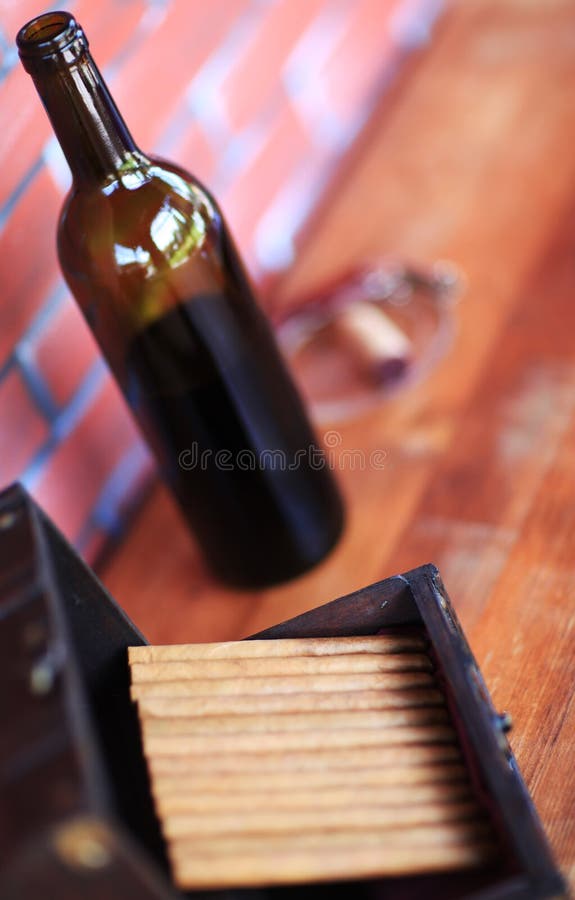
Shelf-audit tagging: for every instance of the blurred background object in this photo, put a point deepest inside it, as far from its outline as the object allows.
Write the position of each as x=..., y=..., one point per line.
x=262, y=99
x=377, y=329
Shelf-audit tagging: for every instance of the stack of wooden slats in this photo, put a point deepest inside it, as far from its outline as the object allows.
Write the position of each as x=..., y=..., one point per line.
x=288, y=761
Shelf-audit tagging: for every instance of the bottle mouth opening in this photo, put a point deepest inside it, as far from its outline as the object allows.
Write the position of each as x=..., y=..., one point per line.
x=48, y=34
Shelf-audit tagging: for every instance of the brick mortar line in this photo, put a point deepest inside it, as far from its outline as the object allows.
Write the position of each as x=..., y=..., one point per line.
x=12, y=201
x=63, y=425
x=36, y=386
x=49, y=308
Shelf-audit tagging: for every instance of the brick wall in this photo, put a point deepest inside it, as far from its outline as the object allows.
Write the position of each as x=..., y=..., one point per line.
x=260, y=99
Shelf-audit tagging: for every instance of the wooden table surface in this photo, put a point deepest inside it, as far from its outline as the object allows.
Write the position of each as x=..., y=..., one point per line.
x=473, y=160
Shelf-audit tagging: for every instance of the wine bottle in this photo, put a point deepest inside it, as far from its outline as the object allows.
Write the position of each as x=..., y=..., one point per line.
x=150, y=261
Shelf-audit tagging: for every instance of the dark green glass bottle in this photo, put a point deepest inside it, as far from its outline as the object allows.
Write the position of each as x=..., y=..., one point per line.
x=148, y=257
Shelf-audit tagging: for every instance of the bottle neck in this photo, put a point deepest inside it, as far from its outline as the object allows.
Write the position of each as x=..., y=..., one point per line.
x=92, y=133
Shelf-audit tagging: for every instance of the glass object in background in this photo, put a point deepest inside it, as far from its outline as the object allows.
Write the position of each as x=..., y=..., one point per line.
x=148, y=257
x=374, y=331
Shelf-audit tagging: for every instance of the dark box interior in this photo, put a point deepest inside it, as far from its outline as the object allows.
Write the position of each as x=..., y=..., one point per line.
x=78, y=817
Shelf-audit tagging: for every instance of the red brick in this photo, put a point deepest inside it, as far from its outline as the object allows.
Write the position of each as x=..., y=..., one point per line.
x=27, y=258
x=73, y=478
x=176, y=48
x=22, y=428
x=65, y=352
x=109, y=25
x=281, y=222
x=109, y=22
x=25, y=130
x=13, y=15
x=153, y=85
x=254, y=79
x=284, y=151
x=282, y=218
x=195, y=154
x=360, y=59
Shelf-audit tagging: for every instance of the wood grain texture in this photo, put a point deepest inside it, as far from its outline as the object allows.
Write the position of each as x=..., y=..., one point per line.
x=287, y=703
x=354, y=664
x=416, y=836
x=277, y=742
x=256, y=821
x=294, y=649
x=288, y=684
x=336, y=759
x=266, y=723
x=314, y=865
x=222, y=783
x=470, y=160
x=239, y=802
x=278, y=821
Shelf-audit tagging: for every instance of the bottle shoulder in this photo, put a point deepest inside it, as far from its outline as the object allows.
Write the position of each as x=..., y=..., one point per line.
x=157, y=183
x=153, y=210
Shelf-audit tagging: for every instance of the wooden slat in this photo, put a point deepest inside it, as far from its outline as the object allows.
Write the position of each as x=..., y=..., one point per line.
x=150, y=705
x=335, y=759
x=261, y=744
x=312, y=780
x=292, y=648
x=449, y=833
x=290, y=684
x=302, y=867
x=279, y=821
x=396, y=795
x=348, y=664
x=292, y=723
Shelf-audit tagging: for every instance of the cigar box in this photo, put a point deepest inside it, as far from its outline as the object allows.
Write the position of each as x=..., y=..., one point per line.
x=77, y=817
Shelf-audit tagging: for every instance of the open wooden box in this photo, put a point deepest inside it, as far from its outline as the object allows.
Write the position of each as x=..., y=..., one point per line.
x=77, y=817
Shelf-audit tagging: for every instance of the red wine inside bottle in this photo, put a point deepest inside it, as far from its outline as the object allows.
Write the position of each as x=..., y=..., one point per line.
x=148, y=257
x=233, y=443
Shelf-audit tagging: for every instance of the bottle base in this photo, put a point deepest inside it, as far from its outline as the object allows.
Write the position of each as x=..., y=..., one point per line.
x=261, y=575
